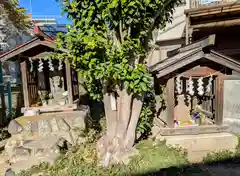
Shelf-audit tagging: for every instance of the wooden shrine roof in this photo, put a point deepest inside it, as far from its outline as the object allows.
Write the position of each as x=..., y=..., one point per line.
x=41, y=43
x=223, y=14
x=189, y=54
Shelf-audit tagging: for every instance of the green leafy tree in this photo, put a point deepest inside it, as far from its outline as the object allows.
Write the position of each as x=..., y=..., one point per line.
x=13, y=20
x=109, y=43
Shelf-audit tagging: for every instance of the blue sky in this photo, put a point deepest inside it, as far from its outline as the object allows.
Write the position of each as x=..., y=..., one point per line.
x=44, y=8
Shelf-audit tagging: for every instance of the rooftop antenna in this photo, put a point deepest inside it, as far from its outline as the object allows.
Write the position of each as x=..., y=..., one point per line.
x=30, y=4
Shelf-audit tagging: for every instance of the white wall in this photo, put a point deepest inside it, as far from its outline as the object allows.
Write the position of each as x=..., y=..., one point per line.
x=172, y=31
x=175, y=29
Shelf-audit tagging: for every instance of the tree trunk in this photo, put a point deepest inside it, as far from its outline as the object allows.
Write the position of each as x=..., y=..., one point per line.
x=111, y=116
x=131, y=131
x=116, y=146
x=124, y=113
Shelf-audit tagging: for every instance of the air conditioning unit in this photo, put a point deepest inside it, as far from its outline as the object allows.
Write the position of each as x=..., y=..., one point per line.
x=3, y=46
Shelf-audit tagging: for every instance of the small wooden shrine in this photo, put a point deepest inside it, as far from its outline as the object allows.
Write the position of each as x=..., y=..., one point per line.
x=189, y=89
x=47, y=85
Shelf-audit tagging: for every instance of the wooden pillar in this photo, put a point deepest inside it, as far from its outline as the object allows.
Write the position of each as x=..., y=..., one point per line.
x=23, y=68
x=170, y=102
x=190, y=30
x=219, y=85
x=187, y=31
x=69, y=82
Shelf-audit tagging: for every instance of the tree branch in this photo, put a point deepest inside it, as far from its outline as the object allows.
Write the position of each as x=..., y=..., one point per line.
x=120, y=31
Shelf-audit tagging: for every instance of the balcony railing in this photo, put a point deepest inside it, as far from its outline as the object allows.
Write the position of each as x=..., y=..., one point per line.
x=204, y=3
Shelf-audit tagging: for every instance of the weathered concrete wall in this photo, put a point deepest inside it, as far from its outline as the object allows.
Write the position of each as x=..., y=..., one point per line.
x=198, y=146
x=175, y=29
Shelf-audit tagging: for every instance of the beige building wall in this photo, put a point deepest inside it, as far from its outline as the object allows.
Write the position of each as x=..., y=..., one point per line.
x=173, y=31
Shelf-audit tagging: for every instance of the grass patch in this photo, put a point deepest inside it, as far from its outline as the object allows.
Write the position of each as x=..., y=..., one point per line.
x=84, y=162
x=154, y=159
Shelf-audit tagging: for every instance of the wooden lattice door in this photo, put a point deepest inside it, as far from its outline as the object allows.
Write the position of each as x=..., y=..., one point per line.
x=75, y=85
x=32, y=82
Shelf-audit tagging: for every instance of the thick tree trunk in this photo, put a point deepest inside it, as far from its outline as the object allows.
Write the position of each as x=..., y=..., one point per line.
x=124, y=113
x=116, y=146
x=131, y=131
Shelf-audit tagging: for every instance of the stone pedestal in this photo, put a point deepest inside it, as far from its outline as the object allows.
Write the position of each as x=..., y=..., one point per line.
x=198, y=146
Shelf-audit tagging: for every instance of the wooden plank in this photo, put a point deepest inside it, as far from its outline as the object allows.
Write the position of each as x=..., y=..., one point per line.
x=23, y=68
x=208, y=41
x=199, y=71
x=173, y=66
x=187, y=30
x=223, y=23
x=69, y=82
x=223, y=60
x=219, y=100
x=205, y=129
x=170, y=101
x=50, y=108
x=211, y=9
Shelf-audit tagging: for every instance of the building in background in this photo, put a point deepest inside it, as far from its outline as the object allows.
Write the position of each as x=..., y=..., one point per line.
x=44, y=21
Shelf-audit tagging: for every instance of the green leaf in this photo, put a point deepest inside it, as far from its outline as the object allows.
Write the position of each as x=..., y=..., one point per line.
x=143, y=86
x=145, y=80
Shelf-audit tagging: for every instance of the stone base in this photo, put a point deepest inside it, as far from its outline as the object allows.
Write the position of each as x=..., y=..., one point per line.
x=27, y=164
x=198, y=146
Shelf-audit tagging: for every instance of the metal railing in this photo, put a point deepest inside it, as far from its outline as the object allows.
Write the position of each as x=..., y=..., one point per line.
x=204, y=3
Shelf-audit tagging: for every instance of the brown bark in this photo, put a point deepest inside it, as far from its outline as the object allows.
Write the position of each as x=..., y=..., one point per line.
x=131, y=131
x=111, y=116
x=124, y=113
x=116, y=145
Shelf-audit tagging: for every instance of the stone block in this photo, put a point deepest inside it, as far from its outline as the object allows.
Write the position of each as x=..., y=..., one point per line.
x=20, y=154
x=3, y=158
x=14, y=127
x=200, y=145
x=10, y=172
x=24, y=165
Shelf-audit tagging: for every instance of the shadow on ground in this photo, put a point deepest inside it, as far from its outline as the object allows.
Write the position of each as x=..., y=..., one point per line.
x=228, y=167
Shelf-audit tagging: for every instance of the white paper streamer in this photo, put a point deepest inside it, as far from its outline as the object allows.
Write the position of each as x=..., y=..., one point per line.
x=179, y=85
x=209, y=86
x=60, y=66
x=50, y=65
x=40, y=65
x=200, y=88
x=190, y=89
x=31, y=65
